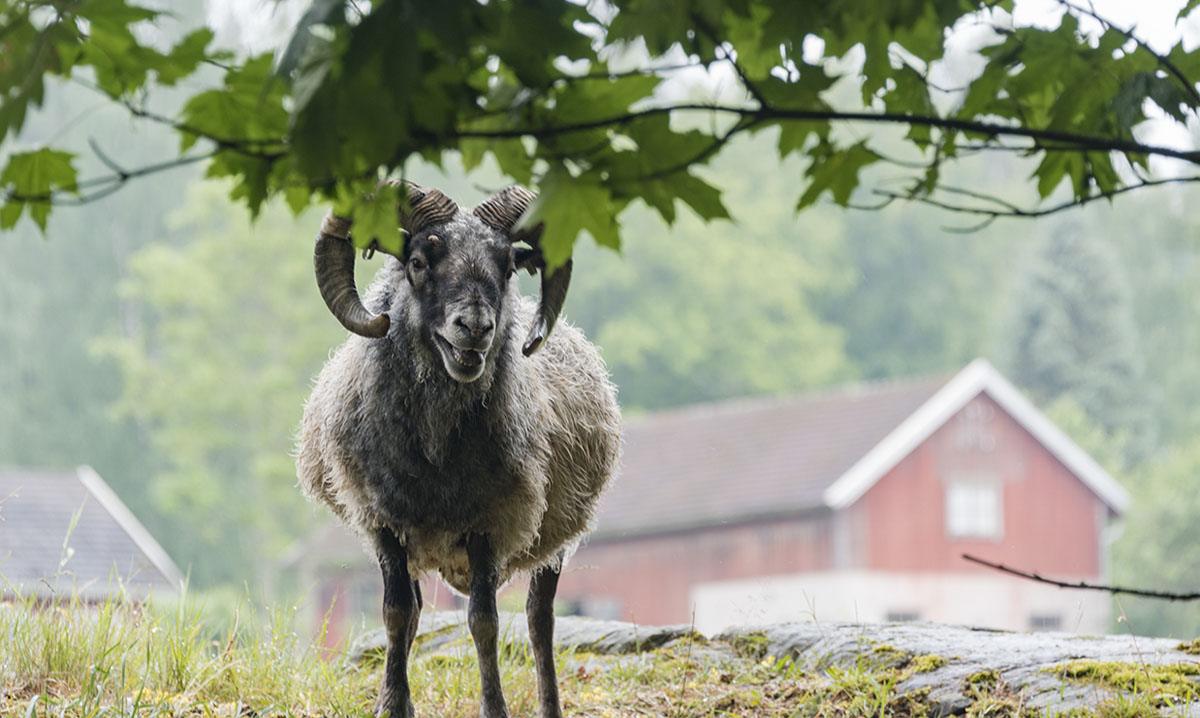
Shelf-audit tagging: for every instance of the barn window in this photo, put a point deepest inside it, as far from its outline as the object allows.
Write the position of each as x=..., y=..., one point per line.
x=974, y=508
x=1045, y=622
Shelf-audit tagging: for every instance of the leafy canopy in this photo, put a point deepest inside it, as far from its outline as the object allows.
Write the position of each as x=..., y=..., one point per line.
x=590, y=103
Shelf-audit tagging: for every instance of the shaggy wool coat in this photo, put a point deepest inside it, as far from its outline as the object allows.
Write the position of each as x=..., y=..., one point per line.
x=521, y=454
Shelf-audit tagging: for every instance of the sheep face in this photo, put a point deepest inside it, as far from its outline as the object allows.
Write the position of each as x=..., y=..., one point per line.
x=458, y=265
x=458, y=272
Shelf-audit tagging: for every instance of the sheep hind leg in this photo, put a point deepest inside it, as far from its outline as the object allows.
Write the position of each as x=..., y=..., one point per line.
x=539, y=614
x=484, y=622
x=401, y=612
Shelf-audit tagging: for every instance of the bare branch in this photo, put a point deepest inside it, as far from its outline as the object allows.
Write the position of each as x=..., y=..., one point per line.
x=971, y=228
x=107, y=183
x=1011, y=210
x=118, y=170
x=266, y=149
x=1034, y=576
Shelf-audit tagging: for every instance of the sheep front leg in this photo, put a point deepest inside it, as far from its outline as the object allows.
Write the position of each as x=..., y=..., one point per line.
x=539, y=614
x=484, y=623
x=401, y=614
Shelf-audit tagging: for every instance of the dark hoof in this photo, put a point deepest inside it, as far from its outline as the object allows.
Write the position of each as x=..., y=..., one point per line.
x=394, y=706
x=494, y=712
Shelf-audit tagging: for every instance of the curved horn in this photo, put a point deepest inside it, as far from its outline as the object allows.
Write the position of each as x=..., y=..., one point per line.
x=333, y=258
x=502, y=211
x=425, y=207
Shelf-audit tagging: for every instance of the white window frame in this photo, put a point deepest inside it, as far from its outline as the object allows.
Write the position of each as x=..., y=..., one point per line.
x=974, y=507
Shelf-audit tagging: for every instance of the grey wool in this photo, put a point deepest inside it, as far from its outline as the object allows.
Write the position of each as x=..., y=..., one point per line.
x=522, y=454
x=461, y=428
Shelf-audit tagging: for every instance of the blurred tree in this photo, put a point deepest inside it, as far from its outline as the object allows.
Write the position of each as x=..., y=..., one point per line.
x=1073, y=336
x=722, y=309
x=1156, y=238
x=218, y=371
x=1109, y=449
x=1158, y=546
x=57, y=295
x=920, y=301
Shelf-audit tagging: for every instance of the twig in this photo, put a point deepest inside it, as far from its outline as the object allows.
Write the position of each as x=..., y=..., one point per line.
x=107, y=183
x=1014, y=211
x=121, y=173
x=1034, y=576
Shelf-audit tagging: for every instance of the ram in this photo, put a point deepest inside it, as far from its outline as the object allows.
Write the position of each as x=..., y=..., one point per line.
x=447, y=441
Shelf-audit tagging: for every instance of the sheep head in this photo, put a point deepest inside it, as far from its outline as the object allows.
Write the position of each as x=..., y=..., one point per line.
x=458, y=265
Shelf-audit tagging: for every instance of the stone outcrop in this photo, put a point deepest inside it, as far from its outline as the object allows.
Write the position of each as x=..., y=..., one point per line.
x=950, y=668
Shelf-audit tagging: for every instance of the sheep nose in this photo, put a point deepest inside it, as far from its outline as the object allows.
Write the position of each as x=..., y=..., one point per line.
x=476, y=326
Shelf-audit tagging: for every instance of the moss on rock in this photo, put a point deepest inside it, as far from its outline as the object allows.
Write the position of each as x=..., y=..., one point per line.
x=927, y=663
x=752, y=645
x=1163, y=683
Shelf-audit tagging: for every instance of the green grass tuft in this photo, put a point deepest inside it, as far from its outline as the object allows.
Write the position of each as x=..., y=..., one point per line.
x=1163, y=684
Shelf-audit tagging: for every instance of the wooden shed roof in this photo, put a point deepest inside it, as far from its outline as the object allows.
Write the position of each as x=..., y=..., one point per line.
x=65, y=533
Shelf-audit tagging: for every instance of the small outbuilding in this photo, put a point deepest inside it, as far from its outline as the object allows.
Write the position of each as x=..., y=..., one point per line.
x=66, y=534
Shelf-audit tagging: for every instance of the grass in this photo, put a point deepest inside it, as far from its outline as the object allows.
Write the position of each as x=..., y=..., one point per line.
x=82, y=661
x=119, y=661
x=1160, y=684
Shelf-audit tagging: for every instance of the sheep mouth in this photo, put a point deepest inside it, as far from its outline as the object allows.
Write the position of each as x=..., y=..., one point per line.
x=464, y=365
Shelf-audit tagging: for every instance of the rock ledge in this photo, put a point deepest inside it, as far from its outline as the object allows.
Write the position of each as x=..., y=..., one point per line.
x=947, y=666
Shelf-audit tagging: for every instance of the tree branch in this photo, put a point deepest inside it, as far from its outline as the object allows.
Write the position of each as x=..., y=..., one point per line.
x=266, y=149
x=107, y=183
x=1011, y=210
x=765, y=114
x=1034, y=576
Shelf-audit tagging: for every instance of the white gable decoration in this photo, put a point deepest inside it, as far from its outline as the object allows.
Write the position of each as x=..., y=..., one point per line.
x=978, y=377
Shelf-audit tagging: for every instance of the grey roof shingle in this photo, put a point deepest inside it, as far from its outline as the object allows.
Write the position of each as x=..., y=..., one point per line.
x=730, y=461
x=42, y=554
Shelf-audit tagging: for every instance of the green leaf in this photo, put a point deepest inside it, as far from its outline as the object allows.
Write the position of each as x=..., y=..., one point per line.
x=375, y=219
x=754, y=56
x=1050, y=172
x=248, y=109
x=35, y=176
x=567, y=206
x=185, y=57
x=702, y=197
x=836, y=171
x=802, y=93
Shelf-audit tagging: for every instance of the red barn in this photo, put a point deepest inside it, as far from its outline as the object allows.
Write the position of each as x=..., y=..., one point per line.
x=854, y=504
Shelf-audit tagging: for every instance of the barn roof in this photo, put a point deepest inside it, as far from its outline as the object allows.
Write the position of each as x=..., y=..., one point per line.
x=746, y=459
x=65, y=532
x=741, y=459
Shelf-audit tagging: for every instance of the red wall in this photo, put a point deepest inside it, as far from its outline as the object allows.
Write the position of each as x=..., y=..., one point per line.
x=650, y=578
x=1050, y=516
